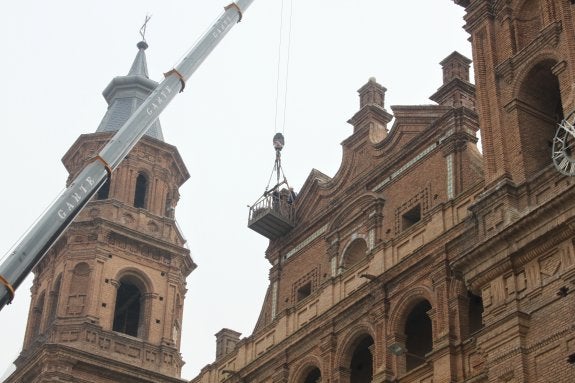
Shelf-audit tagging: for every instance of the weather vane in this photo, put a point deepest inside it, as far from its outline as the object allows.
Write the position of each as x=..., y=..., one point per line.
x=143, y=29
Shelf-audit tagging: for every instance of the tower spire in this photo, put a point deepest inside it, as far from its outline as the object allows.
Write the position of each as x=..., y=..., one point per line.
x=124, y=94
x=140, y=66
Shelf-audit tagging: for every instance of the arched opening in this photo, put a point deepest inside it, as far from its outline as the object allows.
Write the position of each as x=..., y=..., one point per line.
x=314, y=376
x=361, y=368
x=539, y=112
x=131, y=310
x=128, y=309
x=104, y=190
x=355, y=252
x=419, y=335
x=141, y=191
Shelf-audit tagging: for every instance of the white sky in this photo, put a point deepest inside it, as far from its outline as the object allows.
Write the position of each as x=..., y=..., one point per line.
x=58, y=56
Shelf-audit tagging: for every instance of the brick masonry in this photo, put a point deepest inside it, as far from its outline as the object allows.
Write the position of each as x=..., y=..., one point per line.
x=70, y=335
x=421, y=260
x=484, y=239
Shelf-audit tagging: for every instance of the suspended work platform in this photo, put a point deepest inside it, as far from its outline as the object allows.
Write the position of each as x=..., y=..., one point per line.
x=273, y=214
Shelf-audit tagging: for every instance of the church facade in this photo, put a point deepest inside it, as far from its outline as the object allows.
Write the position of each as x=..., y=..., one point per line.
x=424, y=259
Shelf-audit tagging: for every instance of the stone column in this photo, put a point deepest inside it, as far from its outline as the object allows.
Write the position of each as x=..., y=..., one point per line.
x=146, y=316
x=332, y=254
x=374, y=224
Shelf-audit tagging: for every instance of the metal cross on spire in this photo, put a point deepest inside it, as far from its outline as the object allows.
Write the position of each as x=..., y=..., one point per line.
x=143, y=29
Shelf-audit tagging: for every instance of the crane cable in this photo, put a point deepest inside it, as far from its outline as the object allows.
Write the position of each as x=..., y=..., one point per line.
x=278, y=137
x=280, y=46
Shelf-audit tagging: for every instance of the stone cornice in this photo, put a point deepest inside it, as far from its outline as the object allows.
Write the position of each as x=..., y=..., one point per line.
x=450, y=87
x=85, y=359
x=477, y=13
x=101, y=138
x=136, y=235
x=366, y=113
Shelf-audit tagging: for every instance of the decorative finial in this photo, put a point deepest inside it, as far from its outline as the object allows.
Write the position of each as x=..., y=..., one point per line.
x=143, y=29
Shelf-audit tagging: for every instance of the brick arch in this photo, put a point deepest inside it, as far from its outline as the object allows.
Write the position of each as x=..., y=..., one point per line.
x=57, y=282
x=304, y=367
x=405, y=304
x=358, y=204
x=536, y=117
x=527, y=91
x=522, y=73
x=402, y=332
x=143, y=171
x=350, y=255
x=133, y=318
x=142, y=189
x=350, y=341
x=141, y=279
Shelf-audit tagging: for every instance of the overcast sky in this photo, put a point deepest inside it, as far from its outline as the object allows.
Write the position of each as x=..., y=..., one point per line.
x=58, y=56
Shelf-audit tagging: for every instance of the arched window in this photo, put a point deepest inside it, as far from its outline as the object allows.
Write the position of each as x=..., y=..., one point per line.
x=362, y=362
x=104, y=190
x=141, y=191
x=128, y=310
x=419, y=335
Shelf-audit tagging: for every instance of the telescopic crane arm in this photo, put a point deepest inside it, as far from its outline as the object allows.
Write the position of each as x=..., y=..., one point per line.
x=55, y=220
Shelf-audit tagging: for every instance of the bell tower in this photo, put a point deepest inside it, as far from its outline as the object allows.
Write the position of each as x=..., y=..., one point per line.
x=107, y=299
x=523, y=52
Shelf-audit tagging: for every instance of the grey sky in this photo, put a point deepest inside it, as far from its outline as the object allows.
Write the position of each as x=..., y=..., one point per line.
x=58, y=56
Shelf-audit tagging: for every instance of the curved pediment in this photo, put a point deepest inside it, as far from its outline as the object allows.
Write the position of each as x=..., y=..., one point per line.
x=350, y=210
x=313, y=195
x=410, y=122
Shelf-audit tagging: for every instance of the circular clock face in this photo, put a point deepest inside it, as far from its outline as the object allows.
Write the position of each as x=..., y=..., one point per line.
x=564, y=146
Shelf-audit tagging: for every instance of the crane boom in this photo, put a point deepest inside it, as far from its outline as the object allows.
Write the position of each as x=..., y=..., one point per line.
x=55, y=220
